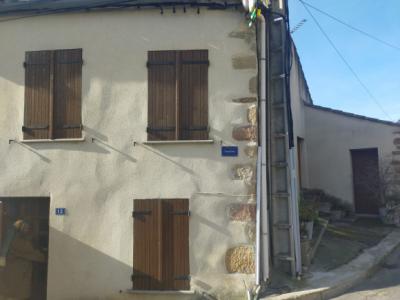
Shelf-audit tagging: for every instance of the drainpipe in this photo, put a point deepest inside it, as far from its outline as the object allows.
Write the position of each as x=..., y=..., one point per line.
x=264, y=222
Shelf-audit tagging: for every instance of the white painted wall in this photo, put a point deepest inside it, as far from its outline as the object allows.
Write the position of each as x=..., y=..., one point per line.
x=330, y=137
x=299, y=95
x=91, y=248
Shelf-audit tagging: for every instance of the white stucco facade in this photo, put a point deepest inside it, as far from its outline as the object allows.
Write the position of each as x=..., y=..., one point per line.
x=90, y=252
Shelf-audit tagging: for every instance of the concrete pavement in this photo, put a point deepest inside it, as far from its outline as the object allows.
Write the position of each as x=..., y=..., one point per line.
x=383, y=285
x=326, y=285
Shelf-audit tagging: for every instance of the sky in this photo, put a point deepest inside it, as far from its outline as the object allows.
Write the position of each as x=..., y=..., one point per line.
x=378, y=66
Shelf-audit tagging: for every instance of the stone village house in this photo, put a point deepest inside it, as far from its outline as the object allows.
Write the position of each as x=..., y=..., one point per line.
x=114, y=115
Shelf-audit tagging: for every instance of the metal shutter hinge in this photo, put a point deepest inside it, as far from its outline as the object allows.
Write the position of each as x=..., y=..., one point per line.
x=183, y=277
x=181, y=213
x=136, y=214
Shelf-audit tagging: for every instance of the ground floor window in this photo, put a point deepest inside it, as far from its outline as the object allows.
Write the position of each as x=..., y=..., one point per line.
x=161, y=244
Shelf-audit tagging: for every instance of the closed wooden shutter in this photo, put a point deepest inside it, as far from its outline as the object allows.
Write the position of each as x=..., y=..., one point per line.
x=37, y=95
x=162, y=95
x=194, y=95
x=147, y=271
x=1, y=225
x=178, y=234
x=161, y=245
x=67, y=93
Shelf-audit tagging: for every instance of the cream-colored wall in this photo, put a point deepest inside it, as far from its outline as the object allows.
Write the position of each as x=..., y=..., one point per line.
x=330, y=137
x=91, y=247
x=299, y=94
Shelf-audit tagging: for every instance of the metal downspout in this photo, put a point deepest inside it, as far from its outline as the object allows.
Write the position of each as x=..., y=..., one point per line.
x=263, y=205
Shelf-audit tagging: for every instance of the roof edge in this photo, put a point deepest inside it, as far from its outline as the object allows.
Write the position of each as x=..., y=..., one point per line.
x=351, y=115
x=38, y=8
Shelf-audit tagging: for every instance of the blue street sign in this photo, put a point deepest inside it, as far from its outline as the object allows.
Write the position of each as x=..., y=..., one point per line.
x=229, y=151
x=60, y=211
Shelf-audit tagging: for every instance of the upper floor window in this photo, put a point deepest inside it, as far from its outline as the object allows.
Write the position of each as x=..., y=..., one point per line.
x=178, y=95
x=53, y=92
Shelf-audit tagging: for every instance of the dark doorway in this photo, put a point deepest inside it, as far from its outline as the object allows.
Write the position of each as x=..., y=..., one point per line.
x=24, y=241
x=300, y=146
x=366, y=180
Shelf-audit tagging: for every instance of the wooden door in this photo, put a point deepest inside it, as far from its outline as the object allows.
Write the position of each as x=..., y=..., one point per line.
x=366, y=180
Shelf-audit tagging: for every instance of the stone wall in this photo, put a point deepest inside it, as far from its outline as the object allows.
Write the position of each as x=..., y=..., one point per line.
x=241, y=258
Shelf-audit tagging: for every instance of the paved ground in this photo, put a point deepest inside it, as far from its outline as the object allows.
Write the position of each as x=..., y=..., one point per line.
x=341, y=243
x=383, y=285
x=347, y=240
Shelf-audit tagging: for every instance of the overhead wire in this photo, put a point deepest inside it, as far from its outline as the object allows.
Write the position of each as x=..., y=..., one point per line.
x=373, y=37
x=351, y=69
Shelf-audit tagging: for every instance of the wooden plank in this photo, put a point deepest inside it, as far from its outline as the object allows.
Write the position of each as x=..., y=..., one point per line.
x=146, y=254
x=180, y=240
x=51, y=96
x=161, y=96
x=37, y=92
x=1, y=223
x=194, y=95
x=177, y=95
x=68, y=94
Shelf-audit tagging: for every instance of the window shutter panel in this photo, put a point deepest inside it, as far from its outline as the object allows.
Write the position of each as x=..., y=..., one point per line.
x=194, y=95
x=180, y=240
x=1, y=225
x=68, y=93
x=37, y=95
x=147, y=271
x=161, y=95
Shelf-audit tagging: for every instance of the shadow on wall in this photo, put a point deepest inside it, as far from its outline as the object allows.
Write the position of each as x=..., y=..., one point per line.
x=78, y=271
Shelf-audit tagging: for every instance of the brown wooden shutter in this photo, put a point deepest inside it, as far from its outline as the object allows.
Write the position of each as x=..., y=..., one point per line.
x=161, y=245
x=194, y=95
x=37, y=95
x=1, y=224
x=162, y=95
x=178, y=236
x=67, y=93
x=147, y=272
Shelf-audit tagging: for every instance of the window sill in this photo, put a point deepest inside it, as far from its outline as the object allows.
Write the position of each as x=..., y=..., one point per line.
x=177, y=142
x=161, y=292
x=53, y=141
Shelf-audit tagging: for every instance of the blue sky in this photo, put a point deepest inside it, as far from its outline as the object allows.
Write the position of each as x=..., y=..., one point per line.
x=331, y=83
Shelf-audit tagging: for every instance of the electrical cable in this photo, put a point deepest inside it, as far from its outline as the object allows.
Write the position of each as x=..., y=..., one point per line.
x=377, y=39
x=351, y=69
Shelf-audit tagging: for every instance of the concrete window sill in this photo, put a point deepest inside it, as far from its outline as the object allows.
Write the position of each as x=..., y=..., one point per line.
x=178, y=142
x=156, y=292
x=52, y=141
